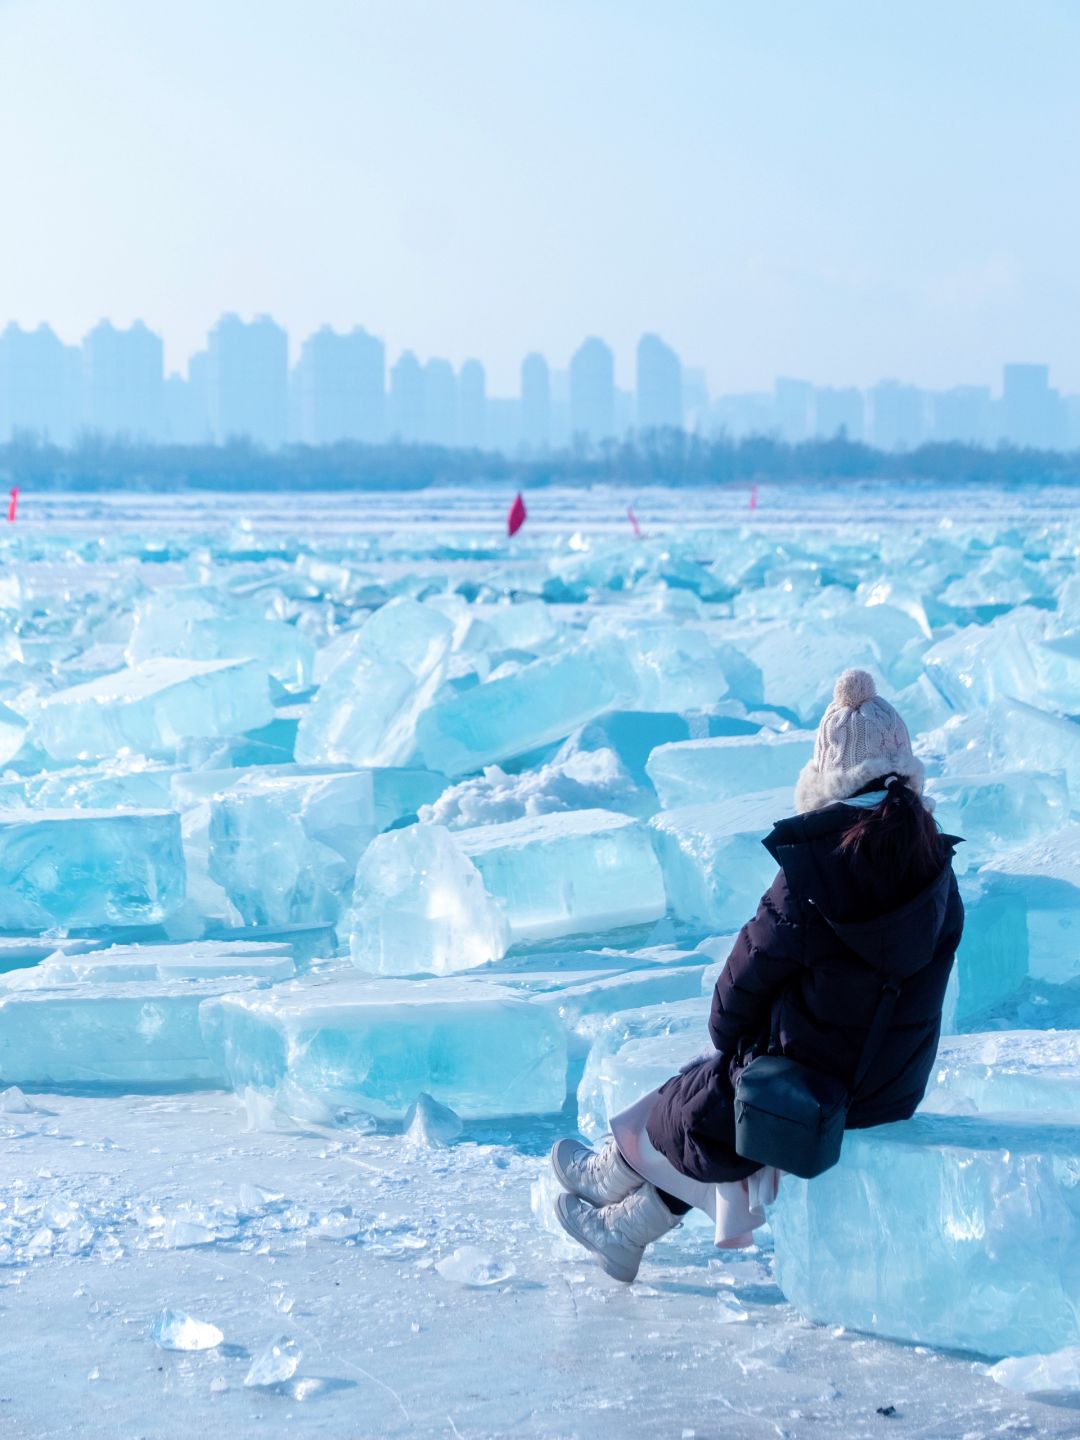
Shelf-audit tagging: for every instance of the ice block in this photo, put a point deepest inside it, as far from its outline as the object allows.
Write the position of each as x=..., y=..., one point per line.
x=943, y=1230
x=516, y=713
x=366, y=708
x=152, y=708
x=692, y=772
x=715, y=866
x=86, y=868
x=101, y=1036
x=375, y=1045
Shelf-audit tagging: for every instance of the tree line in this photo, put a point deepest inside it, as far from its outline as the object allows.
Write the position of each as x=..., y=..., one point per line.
x=663, y=457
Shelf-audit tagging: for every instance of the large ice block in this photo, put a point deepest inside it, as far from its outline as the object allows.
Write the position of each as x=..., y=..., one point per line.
x=585, y=871
x=692, y=772
x=943, y=1230
x=1036, y=1072
x=428, y=899
x=994, y=811
x=992, y=963
x=715, y=866
x=1011, y=735
x=583, y=999
x=366, y=708
x=96, y=1036
x=513, y=714
x=799, y=666
x=633, y=1052
x=152, y=708
x=1044, y=876
x=285, y=847
x=375, y=1045
x=86, y=868
x=195, y=960
x=199, y=623
x=634, y=734
x=419, y=906
x=979, y=664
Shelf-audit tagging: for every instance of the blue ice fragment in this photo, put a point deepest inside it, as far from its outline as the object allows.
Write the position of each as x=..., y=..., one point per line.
x=375, y=1045
x=516, y=713
x=949, y=1231
x=635, y=1051
x=86, y=868
x=366, y=707
x=152, y=708
x=691, y=772
x=715, y=866
x=1035, y=1072
x=92, y=1035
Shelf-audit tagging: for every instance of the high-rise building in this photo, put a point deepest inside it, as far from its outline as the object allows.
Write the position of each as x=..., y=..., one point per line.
x=248, y=380
x=838, y=411
x=793, y=408
x=741, y=415
x=897, y=415
x=535, y=402
x=123, y=379
x=39, y=385
x=407, y=399
x=440, y=422
x=1031, y=413
x=340, y=387
x=187, y=404
x=502, y=423
x=592, y=391
x=472, y=404
x=659, y=385
x=962, y=414
x=696, y=404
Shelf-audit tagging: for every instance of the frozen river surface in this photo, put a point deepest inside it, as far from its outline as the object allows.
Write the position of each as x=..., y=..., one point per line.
x=350, y=853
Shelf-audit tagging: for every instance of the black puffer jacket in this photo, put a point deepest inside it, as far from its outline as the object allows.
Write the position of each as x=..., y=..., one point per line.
x=804, y=978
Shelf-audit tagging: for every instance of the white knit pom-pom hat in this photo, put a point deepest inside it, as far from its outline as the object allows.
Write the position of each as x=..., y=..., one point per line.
x=860, y=738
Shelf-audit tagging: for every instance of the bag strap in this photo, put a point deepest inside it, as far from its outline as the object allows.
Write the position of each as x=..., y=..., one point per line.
x=876, y=1034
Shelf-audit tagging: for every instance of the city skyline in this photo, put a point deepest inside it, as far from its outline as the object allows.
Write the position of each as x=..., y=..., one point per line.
x=248, y=382
x=838, y=191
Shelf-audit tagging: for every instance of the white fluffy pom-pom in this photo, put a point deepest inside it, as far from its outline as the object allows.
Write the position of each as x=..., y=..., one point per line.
x=854, y=688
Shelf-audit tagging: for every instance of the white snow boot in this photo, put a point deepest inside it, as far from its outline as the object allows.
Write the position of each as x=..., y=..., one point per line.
x=617, y=1234
x=599, y=1176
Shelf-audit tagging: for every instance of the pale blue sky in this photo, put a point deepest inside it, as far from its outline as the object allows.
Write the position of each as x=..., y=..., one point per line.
x=842, y=189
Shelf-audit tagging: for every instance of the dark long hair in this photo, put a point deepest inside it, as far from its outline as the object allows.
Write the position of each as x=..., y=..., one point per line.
x=899, y=837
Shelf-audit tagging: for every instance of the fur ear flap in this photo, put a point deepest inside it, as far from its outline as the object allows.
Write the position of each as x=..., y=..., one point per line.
x=814, y=789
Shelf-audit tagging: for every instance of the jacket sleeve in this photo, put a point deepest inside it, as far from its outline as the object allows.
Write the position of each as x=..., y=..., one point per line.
x=767, y=951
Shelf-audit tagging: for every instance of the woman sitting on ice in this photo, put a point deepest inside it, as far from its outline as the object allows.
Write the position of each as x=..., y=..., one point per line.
x=842, y=971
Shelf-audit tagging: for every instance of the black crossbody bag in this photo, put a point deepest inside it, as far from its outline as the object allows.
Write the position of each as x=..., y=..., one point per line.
x=793, y=1117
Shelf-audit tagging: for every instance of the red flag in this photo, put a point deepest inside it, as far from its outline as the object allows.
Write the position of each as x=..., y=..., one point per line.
x=13, y=503
x=753, y=497
x=633, y=521
x=516, y=517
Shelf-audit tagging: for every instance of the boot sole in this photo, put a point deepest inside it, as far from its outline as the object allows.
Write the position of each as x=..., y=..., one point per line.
x=609, y=1267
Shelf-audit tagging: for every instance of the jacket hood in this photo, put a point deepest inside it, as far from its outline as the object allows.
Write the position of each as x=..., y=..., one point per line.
x=896, y=943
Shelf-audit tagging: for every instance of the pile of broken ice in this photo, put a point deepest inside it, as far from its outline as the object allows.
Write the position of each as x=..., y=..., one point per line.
x=341, y=823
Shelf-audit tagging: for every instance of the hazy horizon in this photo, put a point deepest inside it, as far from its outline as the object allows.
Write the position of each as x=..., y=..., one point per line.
x=836, y=193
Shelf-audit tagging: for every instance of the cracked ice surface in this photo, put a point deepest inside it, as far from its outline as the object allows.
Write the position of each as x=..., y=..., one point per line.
x=366, y=813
